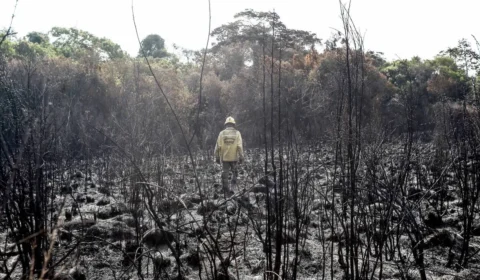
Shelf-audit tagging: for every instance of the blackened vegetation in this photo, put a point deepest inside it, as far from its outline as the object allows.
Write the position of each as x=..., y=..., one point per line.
x=352, y=172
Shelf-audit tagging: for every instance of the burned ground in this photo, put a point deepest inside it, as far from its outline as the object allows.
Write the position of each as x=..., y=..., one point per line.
x=115, y=229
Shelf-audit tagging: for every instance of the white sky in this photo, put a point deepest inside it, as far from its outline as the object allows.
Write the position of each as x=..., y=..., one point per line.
x=399, y=28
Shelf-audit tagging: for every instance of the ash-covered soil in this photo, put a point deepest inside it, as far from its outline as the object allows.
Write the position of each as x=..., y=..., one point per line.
x=112, y=229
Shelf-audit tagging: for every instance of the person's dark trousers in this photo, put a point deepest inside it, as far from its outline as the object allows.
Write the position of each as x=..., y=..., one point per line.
x=227, y=167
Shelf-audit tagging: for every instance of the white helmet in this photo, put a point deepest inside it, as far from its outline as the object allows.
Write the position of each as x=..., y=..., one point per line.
x=230, y=120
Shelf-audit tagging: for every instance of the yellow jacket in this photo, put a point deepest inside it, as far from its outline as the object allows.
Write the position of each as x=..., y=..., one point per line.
x=229, y=145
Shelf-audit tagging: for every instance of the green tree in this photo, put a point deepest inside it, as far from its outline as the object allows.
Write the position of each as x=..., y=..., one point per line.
x=28, y=51
x=411, y=97
x=153, y=46
x=72, y=42
x=447, y=80
x=38, y=38
x=465, y=57
x=468, y=60
x=6, y=47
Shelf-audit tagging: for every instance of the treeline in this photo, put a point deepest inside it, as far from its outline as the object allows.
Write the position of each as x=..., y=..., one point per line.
x=99, y=86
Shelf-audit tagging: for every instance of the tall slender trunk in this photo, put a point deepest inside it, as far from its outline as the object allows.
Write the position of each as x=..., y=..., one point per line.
x=268, y=239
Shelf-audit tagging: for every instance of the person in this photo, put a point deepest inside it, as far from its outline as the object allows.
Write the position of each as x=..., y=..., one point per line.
x=229, y=152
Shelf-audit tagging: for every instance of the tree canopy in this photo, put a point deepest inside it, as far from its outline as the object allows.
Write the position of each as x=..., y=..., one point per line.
x=38, y=37
x=154, y=46
x=256, y=30
x=72, y=42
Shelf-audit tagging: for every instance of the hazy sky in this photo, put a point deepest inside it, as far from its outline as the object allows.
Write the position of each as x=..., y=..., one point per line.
x=399, y=28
